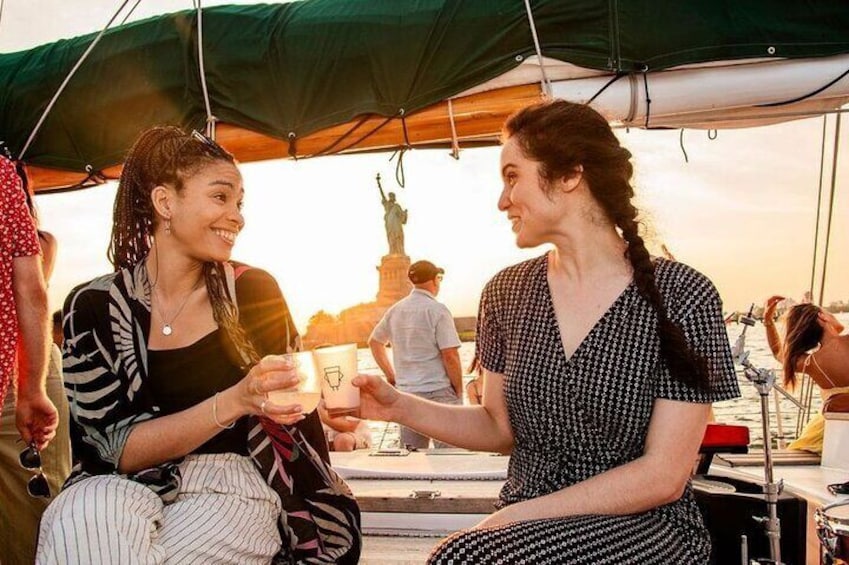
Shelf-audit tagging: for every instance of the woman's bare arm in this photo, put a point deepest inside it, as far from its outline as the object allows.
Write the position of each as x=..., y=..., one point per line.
x=485, y=427
x=772, y=336
x=166, y=438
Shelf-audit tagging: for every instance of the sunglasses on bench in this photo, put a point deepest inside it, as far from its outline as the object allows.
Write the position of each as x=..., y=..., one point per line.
x=839, y=488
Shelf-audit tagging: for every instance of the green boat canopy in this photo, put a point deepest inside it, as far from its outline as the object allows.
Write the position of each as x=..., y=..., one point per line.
x=288, y=70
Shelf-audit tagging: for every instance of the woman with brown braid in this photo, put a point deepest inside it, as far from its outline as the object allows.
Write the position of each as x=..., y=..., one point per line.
x=168, y=362
x=600, y=364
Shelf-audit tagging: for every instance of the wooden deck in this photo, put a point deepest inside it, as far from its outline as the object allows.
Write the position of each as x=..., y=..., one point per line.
x=410, y=502
x=393, y=550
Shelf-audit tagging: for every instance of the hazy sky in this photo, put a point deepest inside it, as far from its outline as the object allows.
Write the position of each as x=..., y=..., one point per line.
x=742, y=210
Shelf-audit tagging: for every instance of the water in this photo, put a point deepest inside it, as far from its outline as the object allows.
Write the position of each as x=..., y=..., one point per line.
x=745, y=410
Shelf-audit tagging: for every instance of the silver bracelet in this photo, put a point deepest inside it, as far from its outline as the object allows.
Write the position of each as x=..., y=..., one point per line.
x=215, y=414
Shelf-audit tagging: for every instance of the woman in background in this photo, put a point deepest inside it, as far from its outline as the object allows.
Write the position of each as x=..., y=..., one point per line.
x=813, y=344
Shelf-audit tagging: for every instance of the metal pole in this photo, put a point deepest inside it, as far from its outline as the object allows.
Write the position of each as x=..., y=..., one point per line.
x=763, y=381
x=772, y=524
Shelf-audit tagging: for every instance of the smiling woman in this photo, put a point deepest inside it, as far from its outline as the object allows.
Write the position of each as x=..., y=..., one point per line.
x=168, y=362
x=599, y=366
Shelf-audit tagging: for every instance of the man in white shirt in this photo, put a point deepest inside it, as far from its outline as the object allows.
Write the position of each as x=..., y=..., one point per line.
x=425, y=346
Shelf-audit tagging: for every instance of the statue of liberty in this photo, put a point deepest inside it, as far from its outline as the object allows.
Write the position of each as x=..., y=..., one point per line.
x=394, y=218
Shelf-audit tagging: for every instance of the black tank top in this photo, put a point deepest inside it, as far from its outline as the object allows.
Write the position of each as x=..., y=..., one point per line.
x=180, y=378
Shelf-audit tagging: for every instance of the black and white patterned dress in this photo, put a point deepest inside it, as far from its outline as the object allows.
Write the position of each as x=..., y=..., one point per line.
x=576, y=418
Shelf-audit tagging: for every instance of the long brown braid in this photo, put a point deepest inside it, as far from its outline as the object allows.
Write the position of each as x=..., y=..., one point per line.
x=167, y=156
x=562, y=135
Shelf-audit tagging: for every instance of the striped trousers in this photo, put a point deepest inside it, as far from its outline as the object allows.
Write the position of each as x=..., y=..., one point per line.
x=224, y=513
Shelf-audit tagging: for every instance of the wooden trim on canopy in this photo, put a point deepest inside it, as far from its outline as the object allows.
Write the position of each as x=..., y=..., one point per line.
x=478, y=118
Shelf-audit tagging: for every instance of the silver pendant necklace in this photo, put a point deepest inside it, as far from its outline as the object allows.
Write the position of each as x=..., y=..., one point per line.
x=167, y=328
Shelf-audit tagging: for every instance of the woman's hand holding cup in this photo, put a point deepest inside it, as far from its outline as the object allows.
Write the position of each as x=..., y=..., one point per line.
x=378, y=399
x=272, y=373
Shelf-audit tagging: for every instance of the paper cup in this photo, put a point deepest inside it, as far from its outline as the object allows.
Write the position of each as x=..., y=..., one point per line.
x=308, y=392
x=335, y=368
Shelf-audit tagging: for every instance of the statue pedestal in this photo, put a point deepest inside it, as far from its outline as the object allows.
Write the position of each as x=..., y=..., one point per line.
x=355, y=324
x=394, y=282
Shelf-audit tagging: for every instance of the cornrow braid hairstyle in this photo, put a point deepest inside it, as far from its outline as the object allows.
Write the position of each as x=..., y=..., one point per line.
x=803, y=333
x=562, y=135
x=160, y=156
x=167, y=156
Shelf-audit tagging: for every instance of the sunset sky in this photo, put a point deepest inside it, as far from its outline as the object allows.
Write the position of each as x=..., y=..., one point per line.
x=742, y=210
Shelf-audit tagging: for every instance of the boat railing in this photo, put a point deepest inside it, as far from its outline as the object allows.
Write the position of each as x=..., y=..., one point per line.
x=802, y=403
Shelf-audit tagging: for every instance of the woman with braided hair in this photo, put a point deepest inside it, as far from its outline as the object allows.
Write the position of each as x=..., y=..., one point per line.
x=168, y=362
x=600, y=364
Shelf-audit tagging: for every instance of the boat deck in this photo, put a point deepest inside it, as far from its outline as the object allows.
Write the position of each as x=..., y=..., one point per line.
x=424, y=493
x=393, y=550
x=410, y=501
x=807, y=481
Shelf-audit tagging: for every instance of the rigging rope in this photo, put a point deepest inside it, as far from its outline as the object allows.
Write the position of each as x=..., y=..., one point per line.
x=819, y=208
x=545, y=84
x=455, y=144
x=830, y=206
x=804, y=96
x=807, y=398
x=400, y=177
x=616, y=77
x=210, y=119
x=130, y=13
x=66, y=81
x=327, y=150
x=803, y=414
x=367, y=134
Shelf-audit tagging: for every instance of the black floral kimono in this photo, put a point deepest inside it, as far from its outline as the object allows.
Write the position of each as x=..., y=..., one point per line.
x=106, y=322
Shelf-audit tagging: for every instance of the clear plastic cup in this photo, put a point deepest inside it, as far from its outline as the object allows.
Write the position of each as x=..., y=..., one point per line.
x=308, y=392
x=336, y=367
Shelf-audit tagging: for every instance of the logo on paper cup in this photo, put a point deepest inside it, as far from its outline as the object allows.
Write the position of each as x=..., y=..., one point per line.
x=333, y=375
